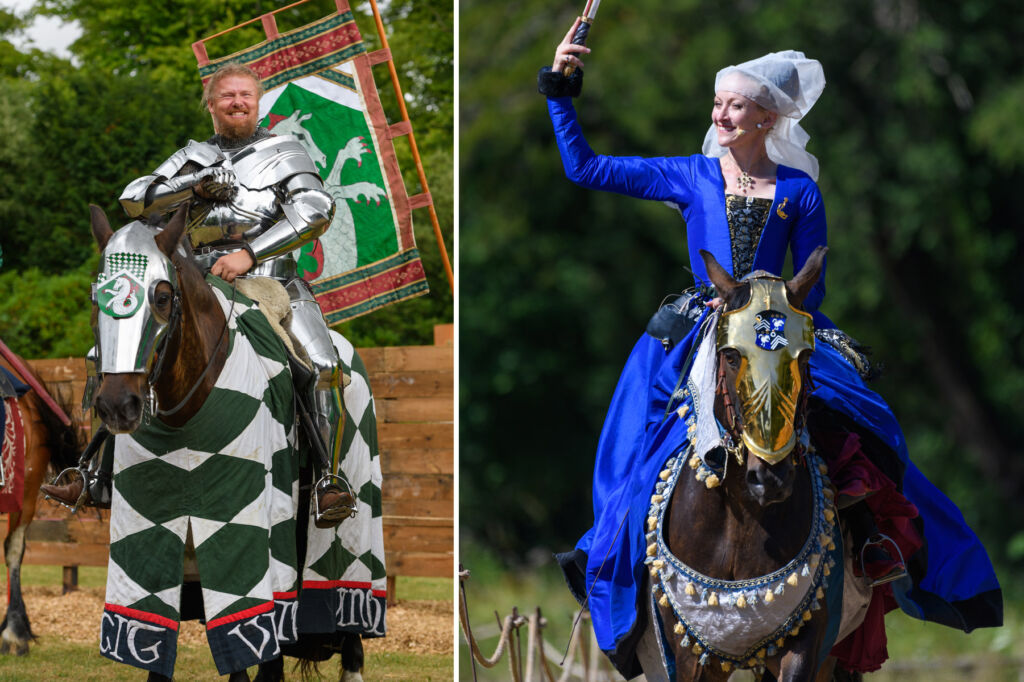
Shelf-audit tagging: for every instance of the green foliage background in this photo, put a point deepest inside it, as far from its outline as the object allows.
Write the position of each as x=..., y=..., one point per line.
x=920, y=144
x=77, y=131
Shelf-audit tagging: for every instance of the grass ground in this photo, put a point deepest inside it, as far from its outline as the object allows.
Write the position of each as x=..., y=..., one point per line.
x=917, y=650
x=54, y=657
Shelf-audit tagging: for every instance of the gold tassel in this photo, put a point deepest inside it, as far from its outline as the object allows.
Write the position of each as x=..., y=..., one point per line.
x=820, y=593
x=690, y=590
x=780, y=642
x=658, y=563
x=679, y=629
x=741, y=602
x=682, y=411
x=711, y=481
x=694, y=462
x=792, y=580
x=823, y=468
x=656, y=499
x=713, y=600
x=664, y=600
x=665, y=473
x=726, y=666
x=829, y=515
x=827, y=571
x=652, y=549
x=831, y=546
x=762, y=653
x=652, y=522
x=768, y=596
x=807, y=615
x=697, y=649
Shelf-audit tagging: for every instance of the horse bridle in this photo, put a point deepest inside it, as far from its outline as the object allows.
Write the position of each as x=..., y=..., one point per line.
x=173, y=325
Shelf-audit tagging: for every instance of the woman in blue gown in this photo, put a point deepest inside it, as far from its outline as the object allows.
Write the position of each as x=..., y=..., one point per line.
x=749, y=198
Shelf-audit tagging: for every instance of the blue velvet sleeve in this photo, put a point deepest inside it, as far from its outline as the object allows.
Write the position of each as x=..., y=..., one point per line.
x=809, y=233
x=659, y=178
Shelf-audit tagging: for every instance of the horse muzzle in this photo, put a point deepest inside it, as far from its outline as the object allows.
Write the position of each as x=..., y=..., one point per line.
x=119, y=402
x=770, y=484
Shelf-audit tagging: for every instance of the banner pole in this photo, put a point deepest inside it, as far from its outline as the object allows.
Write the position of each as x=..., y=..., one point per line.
x=412, y=146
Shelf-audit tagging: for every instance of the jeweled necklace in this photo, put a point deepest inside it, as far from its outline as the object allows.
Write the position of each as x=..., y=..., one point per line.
x=744, y=182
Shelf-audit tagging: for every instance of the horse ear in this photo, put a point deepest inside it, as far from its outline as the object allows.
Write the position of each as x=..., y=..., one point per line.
x=803, y=281
x=723, y=281
x=100, y=226
x=167, y=239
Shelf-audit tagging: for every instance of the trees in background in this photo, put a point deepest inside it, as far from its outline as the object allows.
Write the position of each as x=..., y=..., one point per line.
x=920, y=158
x=77, y=132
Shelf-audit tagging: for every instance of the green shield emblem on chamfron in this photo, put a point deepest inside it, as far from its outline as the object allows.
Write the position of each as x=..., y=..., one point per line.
x=119, y=296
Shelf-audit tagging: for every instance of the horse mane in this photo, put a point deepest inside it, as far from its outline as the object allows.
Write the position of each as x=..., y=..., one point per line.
x=65, y=441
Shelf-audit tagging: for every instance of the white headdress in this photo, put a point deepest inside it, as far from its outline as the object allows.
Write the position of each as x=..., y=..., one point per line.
x=788, y=84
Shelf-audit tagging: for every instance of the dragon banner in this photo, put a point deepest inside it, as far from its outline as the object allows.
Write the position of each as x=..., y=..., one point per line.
x=318, y=86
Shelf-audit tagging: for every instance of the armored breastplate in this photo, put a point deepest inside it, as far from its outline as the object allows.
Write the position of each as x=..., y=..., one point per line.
x=260, y=169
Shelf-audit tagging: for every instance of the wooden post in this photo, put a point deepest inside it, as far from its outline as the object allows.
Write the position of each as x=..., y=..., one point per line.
x=392, y=597
x=70, y=579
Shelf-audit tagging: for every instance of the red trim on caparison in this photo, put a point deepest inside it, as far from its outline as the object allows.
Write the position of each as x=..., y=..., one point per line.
x=241, y=615
x=142, y=615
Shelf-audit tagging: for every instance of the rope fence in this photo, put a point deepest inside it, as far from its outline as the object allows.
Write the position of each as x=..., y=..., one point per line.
x=544, y=662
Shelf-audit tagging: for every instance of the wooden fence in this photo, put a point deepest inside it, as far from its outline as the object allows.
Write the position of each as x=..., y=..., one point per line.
x=414, y=391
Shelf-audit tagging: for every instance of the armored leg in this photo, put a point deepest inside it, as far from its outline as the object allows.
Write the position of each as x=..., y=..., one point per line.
x=322, y=396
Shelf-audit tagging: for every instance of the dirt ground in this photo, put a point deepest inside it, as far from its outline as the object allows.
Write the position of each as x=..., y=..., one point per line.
x=422, y=627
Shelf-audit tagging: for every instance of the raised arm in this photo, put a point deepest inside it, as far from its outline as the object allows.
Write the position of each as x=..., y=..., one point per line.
x=658, y=178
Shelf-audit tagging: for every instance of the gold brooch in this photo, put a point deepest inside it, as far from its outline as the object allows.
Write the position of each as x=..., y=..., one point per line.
x=782, y=206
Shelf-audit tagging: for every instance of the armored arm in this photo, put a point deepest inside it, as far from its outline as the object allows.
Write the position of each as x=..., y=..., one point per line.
x=308, y=212
x=167, y=187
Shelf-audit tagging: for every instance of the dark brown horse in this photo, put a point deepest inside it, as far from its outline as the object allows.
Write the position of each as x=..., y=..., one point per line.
x=48, y=442
x=737, y=519
x=179, y=369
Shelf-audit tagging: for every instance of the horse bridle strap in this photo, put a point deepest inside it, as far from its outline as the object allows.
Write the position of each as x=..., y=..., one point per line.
x=175, y=323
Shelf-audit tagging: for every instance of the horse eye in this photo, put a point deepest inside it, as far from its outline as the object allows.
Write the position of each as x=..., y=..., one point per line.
x=732, y=357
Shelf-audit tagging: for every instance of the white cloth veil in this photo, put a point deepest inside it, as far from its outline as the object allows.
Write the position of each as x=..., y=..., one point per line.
x=787, y=83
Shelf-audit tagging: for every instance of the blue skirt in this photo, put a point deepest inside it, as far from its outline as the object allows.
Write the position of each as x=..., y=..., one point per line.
x=958, y=588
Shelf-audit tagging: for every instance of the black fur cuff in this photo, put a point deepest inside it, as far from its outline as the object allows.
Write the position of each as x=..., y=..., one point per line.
x=554, y=84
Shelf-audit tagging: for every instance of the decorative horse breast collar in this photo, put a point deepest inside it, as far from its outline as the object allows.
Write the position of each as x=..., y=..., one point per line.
x=739, y=623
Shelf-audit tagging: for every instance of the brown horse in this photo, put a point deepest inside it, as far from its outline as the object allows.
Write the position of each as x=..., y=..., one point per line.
x=47, y=442
x=179, y=367
x=743, y=537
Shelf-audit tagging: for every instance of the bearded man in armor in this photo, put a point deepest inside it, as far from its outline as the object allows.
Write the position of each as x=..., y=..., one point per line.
x=254, y=199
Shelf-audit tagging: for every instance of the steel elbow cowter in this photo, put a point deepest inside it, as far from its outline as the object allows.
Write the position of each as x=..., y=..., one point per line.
x=308, y=213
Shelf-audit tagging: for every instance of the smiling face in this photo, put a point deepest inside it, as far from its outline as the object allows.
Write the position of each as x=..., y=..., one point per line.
x=234, y=106
x=736, y=118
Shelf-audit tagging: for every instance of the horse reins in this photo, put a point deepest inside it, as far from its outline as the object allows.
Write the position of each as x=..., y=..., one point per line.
x=174, y=324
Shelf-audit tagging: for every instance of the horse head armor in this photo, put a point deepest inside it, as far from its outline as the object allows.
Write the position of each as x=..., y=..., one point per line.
x=129, y=325
x=769, y=334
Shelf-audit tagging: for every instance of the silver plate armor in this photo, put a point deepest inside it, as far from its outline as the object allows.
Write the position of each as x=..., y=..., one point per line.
x=277, y=203
x=126, y=329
